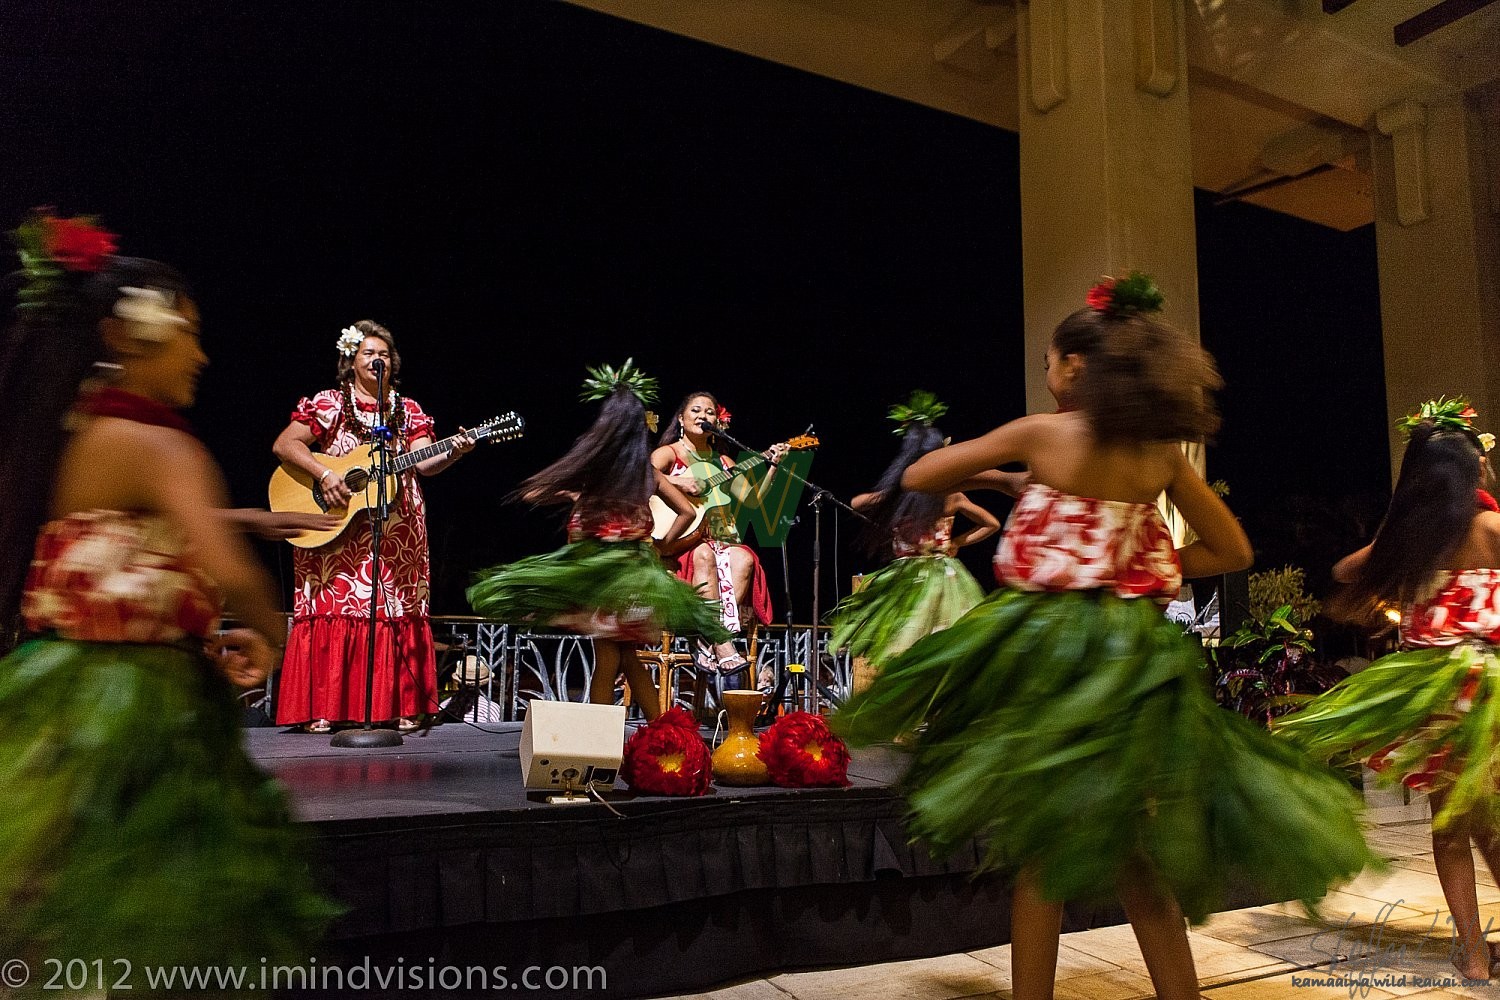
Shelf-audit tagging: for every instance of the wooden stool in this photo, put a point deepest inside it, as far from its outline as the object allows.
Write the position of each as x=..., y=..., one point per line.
x=666, y=663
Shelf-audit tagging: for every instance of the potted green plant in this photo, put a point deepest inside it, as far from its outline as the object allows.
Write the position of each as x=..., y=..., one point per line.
x=1269, y=664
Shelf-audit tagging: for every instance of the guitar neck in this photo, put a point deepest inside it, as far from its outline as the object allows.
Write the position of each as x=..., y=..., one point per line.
x=719, y=479
x=403, y=462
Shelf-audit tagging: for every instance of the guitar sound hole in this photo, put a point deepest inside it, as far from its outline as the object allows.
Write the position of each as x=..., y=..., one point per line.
x=356, y=479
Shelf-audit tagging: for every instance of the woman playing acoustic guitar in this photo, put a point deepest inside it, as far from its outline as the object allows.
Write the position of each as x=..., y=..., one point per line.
x=714, y=558
x=323, y=676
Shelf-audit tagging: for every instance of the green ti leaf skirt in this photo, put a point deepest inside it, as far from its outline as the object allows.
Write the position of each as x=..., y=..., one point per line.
x=1073, y=734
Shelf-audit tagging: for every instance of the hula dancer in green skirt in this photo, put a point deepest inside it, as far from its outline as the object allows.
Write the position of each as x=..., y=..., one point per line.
x=608, y=582
x=134, y=831
x=923, y=589
x=1428, y=717
x=1065, y=722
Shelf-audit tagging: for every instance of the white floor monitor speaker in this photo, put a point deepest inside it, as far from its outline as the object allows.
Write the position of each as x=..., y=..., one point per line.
x=566, y=745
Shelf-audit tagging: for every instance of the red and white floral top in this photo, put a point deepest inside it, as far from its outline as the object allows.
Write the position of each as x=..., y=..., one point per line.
x=614, y=524
x=1056, y=541
x=1465, y=608
x=116, y=576
x=335, y=580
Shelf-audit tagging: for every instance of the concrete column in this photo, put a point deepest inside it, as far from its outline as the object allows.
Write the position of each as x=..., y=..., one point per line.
x=1437, y=235
x=1106, y=160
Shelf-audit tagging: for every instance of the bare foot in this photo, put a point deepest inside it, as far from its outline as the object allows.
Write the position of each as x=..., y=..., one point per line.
x=1475, y=965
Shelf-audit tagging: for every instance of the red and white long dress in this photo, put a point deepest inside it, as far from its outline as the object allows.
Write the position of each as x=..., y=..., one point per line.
x=323, y=675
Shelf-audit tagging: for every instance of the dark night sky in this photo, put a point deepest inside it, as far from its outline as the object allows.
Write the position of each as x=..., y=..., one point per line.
x=523, y=188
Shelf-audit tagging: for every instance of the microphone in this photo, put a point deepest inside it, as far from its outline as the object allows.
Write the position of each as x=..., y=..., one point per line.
x=378, y=367
x=708, y=426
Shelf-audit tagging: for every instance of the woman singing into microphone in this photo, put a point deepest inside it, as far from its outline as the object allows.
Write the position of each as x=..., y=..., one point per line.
x=715, y=558
x=323, y=679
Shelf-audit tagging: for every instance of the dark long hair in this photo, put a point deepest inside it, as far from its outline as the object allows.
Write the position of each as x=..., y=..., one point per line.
x=673, y=433
x=610, y=463
x=49, y=350
x=901, y=511
x=1428, y=520
x=1142, y=379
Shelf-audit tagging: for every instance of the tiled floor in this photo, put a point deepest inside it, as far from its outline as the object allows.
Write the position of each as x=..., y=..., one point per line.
x=1387, y=925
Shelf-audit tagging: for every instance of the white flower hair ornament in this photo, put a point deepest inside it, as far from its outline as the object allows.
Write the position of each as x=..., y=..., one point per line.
x=349, y=341
x=150, y=313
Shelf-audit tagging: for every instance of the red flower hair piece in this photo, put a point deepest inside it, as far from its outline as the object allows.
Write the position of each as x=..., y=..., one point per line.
x=77, y=244
x=1134, y=293
x=667, y=756
x=50, y=248
x=722, y=416
x=800, y=751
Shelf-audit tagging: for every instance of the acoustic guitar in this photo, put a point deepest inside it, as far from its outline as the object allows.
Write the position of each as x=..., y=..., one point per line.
x=713, y=480
x=292, y=489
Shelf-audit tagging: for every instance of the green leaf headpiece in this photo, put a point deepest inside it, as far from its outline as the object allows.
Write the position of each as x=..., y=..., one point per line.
x=922, y=407
x=604, y=380
x=1454, y=414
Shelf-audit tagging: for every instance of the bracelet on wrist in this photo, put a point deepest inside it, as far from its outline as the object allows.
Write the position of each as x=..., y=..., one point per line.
x=326, y=473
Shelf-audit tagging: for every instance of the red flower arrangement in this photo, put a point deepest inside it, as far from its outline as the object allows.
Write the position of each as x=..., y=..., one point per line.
x=800, y=751
x=668, y=757
x=722, y=416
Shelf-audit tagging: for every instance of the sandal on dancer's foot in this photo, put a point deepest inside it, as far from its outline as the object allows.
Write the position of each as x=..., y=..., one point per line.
x=733, y=664
x=408, y=724
x=317, y=726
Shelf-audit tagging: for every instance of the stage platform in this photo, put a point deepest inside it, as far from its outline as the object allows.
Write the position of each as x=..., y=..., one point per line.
x=444, y=860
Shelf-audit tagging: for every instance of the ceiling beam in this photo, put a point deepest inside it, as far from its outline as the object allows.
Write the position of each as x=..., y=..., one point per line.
x=1433, y=18
x=1240, y=193
x=1334, y=6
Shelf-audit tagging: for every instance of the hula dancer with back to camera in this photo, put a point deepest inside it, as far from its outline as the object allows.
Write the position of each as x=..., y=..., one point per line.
x=923, y=588
x=1064, y=721
x=608, y=581
x=1426, y=716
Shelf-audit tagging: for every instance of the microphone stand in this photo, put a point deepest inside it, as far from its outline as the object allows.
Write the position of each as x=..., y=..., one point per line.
x=819, y=495
x=775, y=697
x=367, y=735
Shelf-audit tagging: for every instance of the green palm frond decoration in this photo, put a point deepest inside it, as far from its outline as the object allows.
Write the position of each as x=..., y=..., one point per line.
x=605, y=379
x=922, y=407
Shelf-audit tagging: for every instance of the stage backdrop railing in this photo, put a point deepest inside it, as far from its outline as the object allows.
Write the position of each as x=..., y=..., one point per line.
x=510, y=666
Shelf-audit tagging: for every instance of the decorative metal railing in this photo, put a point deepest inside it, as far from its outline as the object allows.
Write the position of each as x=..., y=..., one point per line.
x=511, y=666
